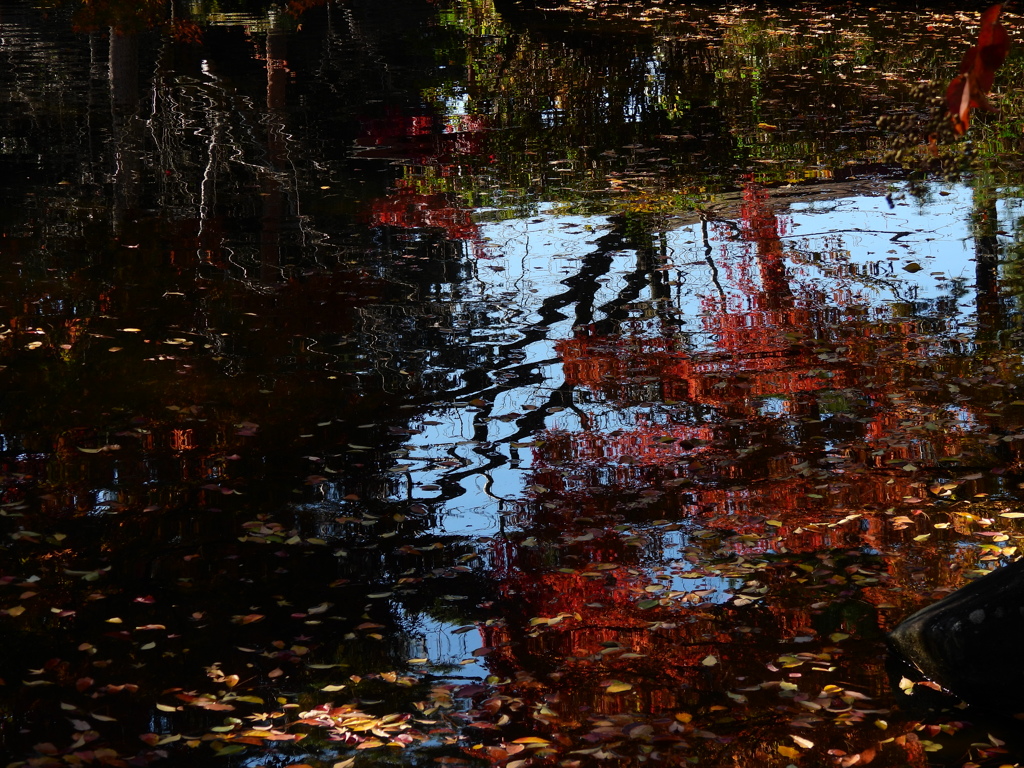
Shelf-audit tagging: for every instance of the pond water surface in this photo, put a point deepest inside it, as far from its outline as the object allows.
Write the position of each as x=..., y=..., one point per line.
x=426, y=383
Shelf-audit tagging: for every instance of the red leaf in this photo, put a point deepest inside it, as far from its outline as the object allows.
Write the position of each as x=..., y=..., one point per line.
x=978, y=71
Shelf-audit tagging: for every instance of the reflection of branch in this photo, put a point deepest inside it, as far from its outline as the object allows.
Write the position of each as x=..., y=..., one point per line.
x=618, y=308
x=708, y=258
x=233, y=133
x=528, y=425
x=895, y=235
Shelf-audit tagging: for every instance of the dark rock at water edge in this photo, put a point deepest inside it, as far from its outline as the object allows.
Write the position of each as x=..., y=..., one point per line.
x=972, y=642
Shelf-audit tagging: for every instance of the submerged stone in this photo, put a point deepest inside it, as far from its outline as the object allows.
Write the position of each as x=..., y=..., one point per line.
x=970, y=642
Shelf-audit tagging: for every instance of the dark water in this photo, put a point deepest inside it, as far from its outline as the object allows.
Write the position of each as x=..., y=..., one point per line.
x=423, y=382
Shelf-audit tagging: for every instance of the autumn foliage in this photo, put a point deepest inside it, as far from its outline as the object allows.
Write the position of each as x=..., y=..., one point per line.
x=970, y=87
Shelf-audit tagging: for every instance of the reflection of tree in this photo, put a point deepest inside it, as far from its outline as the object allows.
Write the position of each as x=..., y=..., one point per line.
x=778, y=417
x=144, y=454
x=578, y=113
x=985, y=220
x=277, y=337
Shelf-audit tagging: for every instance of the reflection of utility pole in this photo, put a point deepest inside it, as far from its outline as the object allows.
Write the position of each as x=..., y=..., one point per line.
x=986, y=252
x=273, y=196
x=123, y=68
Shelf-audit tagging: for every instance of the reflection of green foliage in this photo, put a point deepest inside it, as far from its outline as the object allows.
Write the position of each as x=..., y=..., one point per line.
x=475, y=18
x=560, y=113
x=996, y=139
x=133, y=16
x=755, y=41
x=834, y=402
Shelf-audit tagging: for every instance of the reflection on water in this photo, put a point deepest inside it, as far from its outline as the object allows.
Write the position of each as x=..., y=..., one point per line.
x=459, y=384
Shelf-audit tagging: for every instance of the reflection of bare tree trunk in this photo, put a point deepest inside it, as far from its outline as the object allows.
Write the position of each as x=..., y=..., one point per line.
x=124, y=70
x=123, y=63
x=273, y=196
x=986, y=252
x=650, y=255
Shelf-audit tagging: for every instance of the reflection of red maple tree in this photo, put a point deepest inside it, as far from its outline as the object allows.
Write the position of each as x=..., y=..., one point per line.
x=611, y=660
x=627, y=658
x=408, y=209
x=437, y=150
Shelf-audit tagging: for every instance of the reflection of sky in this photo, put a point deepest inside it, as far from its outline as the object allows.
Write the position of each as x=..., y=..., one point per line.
x=848, y=253
x=851, y=251
x=436, y=641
